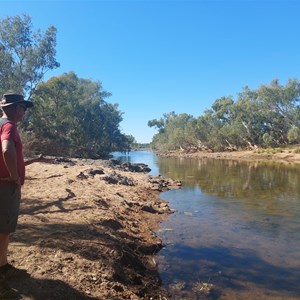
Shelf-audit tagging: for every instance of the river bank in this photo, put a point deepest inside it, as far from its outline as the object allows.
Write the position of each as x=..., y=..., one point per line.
x=86, y=231
x=282, y=155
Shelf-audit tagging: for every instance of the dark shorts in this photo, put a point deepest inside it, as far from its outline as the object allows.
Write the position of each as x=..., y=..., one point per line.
x=9, y=208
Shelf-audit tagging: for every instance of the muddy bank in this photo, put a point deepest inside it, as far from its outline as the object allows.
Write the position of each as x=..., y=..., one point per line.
x=87, y=231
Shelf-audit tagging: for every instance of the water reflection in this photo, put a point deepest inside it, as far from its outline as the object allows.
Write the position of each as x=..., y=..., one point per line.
x=236, y=227
x=265, y=185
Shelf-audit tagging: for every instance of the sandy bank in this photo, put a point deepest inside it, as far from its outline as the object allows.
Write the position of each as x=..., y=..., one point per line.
x=84, y=235
x=285, y=156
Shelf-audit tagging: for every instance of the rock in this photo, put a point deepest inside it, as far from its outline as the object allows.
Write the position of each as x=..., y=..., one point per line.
x=159, y=183
x=93, y=172
x=127, y=166
x=150, y=249
x=115, y=178
x=82, y=176
x=135, y=167
x=113, y=224
x=150, y=209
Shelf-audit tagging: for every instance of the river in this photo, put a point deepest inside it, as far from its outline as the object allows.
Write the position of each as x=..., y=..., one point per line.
x=235, y=230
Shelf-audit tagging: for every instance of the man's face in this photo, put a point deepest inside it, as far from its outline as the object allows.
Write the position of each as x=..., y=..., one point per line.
x=20, y=112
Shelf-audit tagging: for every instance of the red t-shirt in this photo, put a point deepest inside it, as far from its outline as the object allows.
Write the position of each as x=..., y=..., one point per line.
x=9, y=131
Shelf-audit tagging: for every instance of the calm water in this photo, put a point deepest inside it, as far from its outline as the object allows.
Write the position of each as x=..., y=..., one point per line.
x=236, y=230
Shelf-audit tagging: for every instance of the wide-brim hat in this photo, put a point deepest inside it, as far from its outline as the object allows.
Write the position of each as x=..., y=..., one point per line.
x=11, y=99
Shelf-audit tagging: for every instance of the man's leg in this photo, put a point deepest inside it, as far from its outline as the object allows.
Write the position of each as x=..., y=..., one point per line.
x=9, y=210
x=7, y=270
x=10, y=202
x=4, y=239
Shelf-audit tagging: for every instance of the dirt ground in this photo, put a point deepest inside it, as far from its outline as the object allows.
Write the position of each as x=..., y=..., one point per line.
x=87, y=235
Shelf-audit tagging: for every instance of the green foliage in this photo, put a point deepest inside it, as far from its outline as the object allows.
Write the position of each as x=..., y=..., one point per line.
x=25, y=56
x=267, y=138
x=268, y=116
x=71, y=117
x=175, y=131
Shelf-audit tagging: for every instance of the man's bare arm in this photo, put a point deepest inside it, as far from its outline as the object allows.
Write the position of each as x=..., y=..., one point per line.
x=10, y=159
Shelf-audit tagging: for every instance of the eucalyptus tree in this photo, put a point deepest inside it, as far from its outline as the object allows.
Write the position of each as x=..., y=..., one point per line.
x=110, y=137
x=176, y=131
x=280, y=105
x=71, y=117
x=222, y=115
x=222, y=110
x=25, y=55
x=161, y=139
x=267, y=116
x=204, y=126
x=249, y=119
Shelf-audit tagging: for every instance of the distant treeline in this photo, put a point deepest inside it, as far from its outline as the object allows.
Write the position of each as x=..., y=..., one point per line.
x=266, y=117
x=71, y=116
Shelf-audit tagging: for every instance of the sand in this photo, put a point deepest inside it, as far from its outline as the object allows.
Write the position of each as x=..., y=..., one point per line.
x=282, y=156
x=87, y=235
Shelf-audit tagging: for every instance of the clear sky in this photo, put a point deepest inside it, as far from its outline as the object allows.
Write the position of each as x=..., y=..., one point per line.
x=158, y=56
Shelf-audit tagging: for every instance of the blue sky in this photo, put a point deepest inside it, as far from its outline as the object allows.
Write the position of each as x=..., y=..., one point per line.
x=158, y=56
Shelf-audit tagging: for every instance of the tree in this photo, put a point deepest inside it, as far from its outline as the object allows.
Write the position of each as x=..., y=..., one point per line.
x=175, y=131
x=223, y=109
x=249, y=119
x=71, y=117
x=25, y=56
x=268, y=116
x=280, y=106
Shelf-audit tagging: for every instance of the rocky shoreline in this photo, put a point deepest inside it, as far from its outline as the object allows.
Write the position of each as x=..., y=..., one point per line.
x=87, y=231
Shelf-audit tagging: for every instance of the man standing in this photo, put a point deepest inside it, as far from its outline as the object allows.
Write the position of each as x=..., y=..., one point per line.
x=12, y=175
